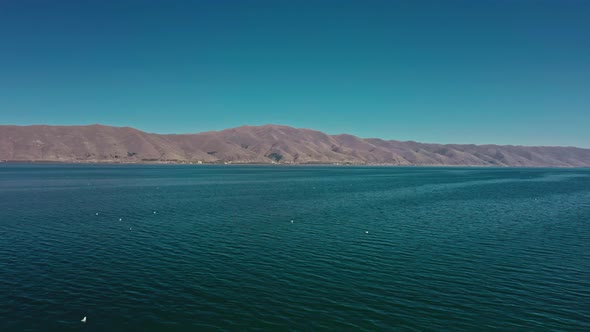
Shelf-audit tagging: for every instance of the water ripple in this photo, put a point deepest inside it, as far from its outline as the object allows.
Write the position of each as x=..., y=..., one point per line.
x=369, y=249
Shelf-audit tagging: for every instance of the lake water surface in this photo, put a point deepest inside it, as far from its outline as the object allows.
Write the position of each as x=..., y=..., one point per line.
x=246, y=248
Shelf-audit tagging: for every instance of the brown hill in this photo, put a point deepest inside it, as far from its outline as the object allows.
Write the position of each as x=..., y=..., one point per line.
x=261, y=144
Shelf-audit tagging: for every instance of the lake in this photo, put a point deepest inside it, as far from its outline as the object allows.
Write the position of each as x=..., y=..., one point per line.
x=301, y=248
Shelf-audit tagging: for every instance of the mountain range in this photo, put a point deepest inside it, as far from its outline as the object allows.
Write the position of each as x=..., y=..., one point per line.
x=262, y=144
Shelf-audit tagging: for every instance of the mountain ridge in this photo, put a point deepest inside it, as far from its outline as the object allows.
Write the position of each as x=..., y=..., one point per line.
x=272, y=144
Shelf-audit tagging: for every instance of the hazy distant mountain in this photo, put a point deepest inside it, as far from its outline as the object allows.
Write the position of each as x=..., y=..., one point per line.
x=262, y=144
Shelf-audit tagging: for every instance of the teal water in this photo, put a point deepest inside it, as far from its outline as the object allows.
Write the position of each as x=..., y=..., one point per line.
x=447, y=249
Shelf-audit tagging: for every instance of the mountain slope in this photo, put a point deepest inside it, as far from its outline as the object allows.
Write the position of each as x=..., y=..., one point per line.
x=261, y=144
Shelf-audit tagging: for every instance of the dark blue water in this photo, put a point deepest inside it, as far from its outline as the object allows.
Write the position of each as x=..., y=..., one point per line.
x=447, y=249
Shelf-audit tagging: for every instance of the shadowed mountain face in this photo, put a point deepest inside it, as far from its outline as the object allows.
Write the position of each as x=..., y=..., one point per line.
x=263, y=144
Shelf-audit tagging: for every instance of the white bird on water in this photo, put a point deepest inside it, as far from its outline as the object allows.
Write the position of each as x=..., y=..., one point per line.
x=366, y=232
x=291, y=221
x=154, y=212
x=83, y=319
x=120, y=219
x=97, y=213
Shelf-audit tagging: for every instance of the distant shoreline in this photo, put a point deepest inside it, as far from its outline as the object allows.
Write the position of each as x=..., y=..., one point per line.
x=164, y=163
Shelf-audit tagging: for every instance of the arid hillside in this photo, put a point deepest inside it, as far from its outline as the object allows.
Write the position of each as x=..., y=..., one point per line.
x=261, y=144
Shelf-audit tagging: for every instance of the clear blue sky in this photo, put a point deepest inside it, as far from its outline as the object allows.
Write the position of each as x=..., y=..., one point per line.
x=473, y=71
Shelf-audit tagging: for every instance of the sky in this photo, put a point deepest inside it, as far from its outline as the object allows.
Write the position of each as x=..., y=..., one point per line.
x=503, y=71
